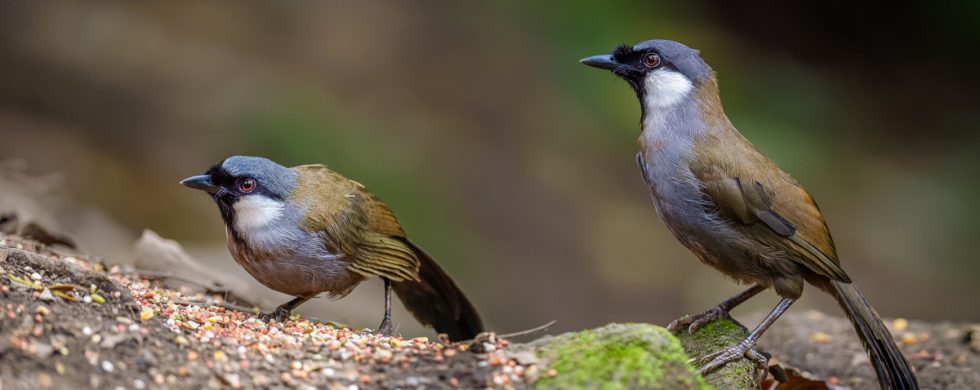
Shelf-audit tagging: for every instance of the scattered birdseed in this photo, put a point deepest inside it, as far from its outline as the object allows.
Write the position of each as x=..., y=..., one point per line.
x=900, y=324
x=237, y=346
x=820, y=338
x=908, y=338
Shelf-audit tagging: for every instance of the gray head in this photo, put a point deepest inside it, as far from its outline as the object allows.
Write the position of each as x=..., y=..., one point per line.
x=661, y=72
x=246, y=185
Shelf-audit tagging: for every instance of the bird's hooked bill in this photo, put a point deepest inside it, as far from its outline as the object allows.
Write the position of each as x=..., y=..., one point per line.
x=201, y=182
x=602, y=61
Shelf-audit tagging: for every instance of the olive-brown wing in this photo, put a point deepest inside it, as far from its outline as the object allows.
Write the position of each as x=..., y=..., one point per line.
x=791, y=217
x=354, y=222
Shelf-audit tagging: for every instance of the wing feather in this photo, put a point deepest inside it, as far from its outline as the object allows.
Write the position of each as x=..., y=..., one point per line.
x=790, y=215
x=355, y=222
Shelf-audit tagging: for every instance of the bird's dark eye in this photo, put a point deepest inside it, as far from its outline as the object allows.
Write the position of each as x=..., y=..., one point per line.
x=651, y=60
x=246, y=185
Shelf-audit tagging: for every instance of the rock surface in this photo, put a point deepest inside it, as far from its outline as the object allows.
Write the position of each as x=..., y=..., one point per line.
x=616, y=356
x=715, y=336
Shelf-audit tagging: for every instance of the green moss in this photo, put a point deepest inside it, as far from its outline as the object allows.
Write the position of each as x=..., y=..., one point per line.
x=713, y=337
x=617, y=356
x=719, y=329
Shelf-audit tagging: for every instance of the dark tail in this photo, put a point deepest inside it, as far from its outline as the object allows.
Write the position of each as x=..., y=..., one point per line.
x=891, y=367
x=437, y=301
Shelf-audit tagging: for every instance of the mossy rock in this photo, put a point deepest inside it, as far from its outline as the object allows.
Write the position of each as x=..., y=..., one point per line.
x=712, y=337
x=616, y=356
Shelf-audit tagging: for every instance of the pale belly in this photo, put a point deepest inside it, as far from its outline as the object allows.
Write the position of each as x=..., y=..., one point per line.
x=297, y=271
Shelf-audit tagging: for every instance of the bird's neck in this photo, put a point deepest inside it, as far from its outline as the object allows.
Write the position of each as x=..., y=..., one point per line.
x=262, y=223
x=684, y=119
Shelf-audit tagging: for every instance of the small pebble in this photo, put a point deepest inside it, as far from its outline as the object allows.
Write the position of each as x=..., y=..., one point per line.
x=107, y=366
x=46, y=295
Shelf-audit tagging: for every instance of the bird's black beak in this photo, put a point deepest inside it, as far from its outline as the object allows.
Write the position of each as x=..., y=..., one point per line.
x=201, y=182
x=604, y=61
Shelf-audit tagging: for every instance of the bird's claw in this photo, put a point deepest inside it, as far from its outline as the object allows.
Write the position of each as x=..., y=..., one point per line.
x=695, y=322
x=279, y=314
x=744, y=349
x=385, y=329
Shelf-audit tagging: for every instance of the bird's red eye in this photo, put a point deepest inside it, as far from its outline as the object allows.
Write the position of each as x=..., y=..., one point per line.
x=247, y=185
x=651, y=60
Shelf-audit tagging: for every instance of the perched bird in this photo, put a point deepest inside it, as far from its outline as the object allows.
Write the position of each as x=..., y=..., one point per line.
x=732, y=206
x=308, y=230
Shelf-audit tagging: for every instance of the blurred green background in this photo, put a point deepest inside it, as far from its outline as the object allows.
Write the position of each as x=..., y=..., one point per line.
x=506, y=159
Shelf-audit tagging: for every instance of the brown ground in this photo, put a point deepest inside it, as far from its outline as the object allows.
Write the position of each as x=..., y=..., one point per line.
x=142, y=337
x=944, y=355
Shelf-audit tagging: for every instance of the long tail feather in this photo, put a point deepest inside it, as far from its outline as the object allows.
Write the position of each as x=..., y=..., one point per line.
x=891, y=367
x=435, y=300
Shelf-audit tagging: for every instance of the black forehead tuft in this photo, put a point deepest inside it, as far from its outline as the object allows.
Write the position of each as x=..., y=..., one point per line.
x=623, y=52
x=218, y=174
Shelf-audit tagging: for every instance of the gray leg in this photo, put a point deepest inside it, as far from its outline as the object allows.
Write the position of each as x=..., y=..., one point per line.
x=695, y=322
x=282, y=312
x=385, y=328
x=746, y=347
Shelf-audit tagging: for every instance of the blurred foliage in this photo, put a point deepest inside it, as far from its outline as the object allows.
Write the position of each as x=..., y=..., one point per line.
x=504, y=157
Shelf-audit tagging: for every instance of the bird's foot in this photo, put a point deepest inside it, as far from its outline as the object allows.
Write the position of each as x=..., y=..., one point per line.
x=279, y=314
x=695, y=322
x=385, y=329
x=745, y=349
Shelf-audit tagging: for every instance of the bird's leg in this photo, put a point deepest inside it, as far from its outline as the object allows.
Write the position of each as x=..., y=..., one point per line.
x=282, y=312
x=385, y=328
x=695, y=322
x=746, y=348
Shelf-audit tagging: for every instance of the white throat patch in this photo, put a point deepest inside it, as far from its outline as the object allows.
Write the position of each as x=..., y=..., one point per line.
x=256, y=211
x=665, y=88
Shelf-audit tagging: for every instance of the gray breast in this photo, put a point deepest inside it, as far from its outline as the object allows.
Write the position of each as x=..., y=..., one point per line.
x=288, y=259
x=676, y=192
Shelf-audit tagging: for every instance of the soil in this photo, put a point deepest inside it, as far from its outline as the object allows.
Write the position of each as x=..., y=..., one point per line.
x=120, y=339
x=944, y=355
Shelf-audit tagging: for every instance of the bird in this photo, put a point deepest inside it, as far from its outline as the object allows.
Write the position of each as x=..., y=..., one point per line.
x=307, y=230
x=733, y=207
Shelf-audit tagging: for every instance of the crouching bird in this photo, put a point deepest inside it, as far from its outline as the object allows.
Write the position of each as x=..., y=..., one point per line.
x=732, y=206
x=307, y=230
